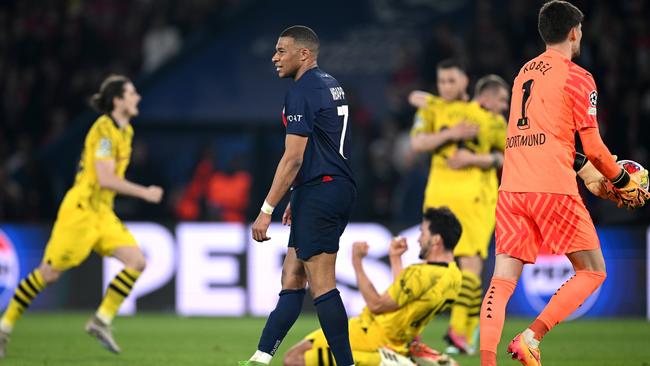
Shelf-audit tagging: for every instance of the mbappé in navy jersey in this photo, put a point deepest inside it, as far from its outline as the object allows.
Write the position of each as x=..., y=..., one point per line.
x=315, y=107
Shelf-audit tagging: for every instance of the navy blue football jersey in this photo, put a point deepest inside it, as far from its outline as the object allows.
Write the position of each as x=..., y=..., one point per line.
x=315, y=107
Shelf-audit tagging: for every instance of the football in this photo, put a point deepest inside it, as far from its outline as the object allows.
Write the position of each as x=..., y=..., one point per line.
x=636, y=171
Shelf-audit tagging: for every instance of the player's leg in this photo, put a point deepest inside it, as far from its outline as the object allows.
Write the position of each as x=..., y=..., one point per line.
x=118, y=242
x=27, y=290
x=122, y=284
x=567, y=228
x=286, y=310
x=315, y=351
x=517, y=242
x=589, y=266
x=71, y=241
x=329, y=306
x=465, y=310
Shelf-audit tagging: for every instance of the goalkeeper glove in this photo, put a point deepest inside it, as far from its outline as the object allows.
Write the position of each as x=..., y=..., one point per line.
x=626, y=191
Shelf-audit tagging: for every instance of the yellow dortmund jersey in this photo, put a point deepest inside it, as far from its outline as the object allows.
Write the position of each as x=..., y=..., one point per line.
x=105, y=140
x=421, y=291
x=445, y=183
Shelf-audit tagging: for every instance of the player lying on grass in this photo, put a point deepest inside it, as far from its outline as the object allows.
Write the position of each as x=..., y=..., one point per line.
x=393, y=319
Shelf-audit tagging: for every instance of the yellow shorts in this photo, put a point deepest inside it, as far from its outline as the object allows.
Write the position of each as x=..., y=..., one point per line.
x=477, y=219
x=364, y=341
x=79, y=229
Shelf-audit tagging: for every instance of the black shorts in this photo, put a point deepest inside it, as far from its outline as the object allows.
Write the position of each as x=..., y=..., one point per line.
x=319, y=213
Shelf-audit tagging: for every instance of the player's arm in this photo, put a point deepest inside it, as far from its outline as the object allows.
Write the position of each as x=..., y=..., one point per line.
x=429, y=141
x=285, y=174
x=105, y=170
x=419, y=98
x=625, y=191
x=377, y=304
x=288, y=168
x=398, y=246
x=464, y=158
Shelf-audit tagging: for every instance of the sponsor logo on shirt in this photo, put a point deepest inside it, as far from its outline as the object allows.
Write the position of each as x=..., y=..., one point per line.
x=337, y=93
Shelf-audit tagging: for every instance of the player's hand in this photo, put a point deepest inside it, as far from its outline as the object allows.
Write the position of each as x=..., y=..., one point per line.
x=594, y=180
x=286, y=217
x=632, y=195
x=463, y=131
x=359, y=250
x=260, y=226
x=397, y=246
x=462, y=158
x=153, y=194
x=418, y=98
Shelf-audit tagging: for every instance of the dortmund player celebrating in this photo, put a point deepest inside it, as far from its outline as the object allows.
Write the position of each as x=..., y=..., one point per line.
x=396, y=317
x=467, y=140
x=86, y=220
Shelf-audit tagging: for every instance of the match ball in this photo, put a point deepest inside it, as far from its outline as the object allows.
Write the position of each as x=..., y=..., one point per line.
x=636, y=171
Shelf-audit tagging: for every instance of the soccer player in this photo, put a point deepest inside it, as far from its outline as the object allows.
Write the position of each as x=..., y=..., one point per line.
x=467, y=141
x=418, y=293
x=86, y=221
x=316, y=164
x=538, y=201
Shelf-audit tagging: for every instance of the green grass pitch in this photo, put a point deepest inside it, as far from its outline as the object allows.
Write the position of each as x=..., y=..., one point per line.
x=53, y=339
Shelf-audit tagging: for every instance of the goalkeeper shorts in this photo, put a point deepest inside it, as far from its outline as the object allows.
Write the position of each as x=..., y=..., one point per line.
x=528, y=221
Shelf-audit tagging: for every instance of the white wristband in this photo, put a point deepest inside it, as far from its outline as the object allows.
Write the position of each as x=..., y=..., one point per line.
x=267, y=208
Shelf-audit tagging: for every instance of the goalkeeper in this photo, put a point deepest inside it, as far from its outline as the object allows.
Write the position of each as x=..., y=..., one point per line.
x=397, y=316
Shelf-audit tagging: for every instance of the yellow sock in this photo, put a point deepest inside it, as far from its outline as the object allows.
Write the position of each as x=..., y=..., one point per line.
x=460, y=310
x=474, y=310
x=25, y=293
x=116, y=292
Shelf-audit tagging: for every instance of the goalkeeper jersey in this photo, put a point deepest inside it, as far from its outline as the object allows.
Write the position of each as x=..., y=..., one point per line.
x=552, y=98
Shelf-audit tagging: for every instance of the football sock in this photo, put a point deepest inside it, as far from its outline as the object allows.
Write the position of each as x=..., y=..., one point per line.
x=474, y=309
x=24, y=294
x=566, y=300
x=493, y=314
x=116, y=292
x=465, y=310
x=334, y=321
x=281, y=320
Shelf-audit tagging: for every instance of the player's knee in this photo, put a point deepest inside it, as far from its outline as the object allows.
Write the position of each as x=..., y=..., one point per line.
x=293, y=280
x=49, y=274
x=139, y=263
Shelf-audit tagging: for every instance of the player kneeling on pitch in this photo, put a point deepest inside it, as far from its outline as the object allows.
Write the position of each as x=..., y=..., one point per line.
x=385, y=331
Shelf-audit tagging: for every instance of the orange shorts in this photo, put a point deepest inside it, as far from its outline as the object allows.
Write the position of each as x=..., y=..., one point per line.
x=528, y=220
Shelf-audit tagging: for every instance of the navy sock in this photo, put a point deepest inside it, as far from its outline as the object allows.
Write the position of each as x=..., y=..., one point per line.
x=281, y=320
x=334, y=321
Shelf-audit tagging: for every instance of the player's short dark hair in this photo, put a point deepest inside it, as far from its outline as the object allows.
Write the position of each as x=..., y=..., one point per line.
x=556, y=18
x=112, y=86
x=443, y=222
x=490, y=82
x=451, y=63
x=303, y=36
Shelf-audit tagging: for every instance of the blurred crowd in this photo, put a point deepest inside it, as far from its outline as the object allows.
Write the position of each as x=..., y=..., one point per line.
x=54, y=55
x=56, y=52
x=501, y=37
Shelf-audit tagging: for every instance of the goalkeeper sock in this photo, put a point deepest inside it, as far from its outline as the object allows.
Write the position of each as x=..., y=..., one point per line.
x=493, y=313
x=281, y=320
x=566, y=300
x=25, y=293
x=117, y=291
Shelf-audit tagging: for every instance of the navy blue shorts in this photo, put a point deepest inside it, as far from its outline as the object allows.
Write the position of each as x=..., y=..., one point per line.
x=320, y=212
